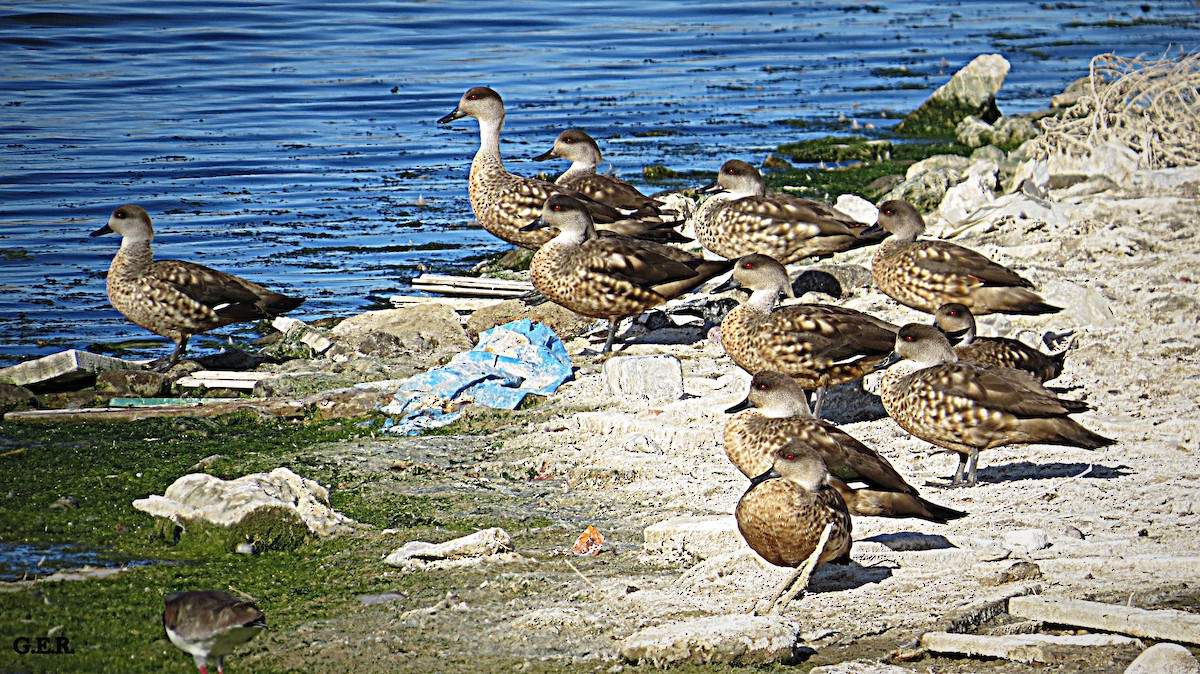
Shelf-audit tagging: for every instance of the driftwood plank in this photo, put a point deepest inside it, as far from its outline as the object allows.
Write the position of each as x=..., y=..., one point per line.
x=63, y=367
x=289, y=408
x=222, y=379
x=456, y=303
x=1025, y=648
x=471, y=286
x=1161, y=624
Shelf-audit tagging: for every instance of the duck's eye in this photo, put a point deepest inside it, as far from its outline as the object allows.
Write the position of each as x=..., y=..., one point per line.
x=568, y=141
x=747, y=265
x=888, y=211
x=908, y=338
x=556, y=207
x=760, y=386
x=120, y=215
x=789, y=457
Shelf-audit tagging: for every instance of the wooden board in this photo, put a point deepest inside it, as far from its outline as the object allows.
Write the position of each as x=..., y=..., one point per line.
x=62, y=368
x=471, y=286
x=223, y=379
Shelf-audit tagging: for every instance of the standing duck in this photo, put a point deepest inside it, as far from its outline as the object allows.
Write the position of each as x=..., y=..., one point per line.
x=966, y=407
x=958, y=324
x=784, y=511
x=818, y=345
x=609, y=276
x=209, y=624
x=178, y=299
x=584, y=154
x=927, y=274
x=505, y=203
x=775, y=413
x=746, y=219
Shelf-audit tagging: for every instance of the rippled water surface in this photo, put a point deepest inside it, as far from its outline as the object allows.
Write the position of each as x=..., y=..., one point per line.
x=291, y=142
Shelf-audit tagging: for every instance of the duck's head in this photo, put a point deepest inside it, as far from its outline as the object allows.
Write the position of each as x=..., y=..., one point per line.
x=130, y=221
x=481, y=103
x=737, y=178
x=757, y=272
x=575, y=146
x=775, y=395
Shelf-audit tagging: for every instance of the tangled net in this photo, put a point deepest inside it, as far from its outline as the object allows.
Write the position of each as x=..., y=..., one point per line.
x=1151, y=107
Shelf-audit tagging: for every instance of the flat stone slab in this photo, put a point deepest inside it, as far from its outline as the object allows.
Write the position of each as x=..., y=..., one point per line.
x=1161, y=624
x=1027, y=648
x=62, y=368
x=732, y=639
x=650, y=377
x=693, y=538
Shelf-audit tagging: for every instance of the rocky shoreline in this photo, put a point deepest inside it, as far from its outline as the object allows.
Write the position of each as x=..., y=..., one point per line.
x=1113, y=243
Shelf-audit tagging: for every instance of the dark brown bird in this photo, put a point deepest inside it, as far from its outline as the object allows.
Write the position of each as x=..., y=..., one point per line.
x=178, y=299
x=612, y=276
x=818, y=345
x=784, y=511
x=582, y=151
x=209, y=624
x=505, y=203
x=927, y=274
x=967, y=407
x=958, y=324
x=775, y=414
x=746, y=219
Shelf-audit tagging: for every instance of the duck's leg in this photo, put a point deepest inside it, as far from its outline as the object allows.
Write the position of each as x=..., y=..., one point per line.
x=958, y=472
x=164, y=364
x=818, y=401
x=972, y=464
x=613, y=323
x=794, y=584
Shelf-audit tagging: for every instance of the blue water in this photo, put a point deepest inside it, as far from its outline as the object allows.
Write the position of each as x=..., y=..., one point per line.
x=291, y=142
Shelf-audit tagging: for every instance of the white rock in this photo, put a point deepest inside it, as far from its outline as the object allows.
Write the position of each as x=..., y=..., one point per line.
x=939, y=161
x=968, y=196
x=1026, y=540
x=202, y=497
x=1164, y=659
x=657, y=377
x=1111, y=159
x=693, y=538
x=485, y=543
x=860, y=667
x=1083, y=306
x=736, y=639
x=858, y=208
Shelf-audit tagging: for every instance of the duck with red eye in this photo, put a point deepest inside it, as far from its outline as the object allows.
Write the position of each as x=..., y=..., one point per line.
x=775, y=414
x=958, y=324
x=783, y=513
x=743, y=218
x=818, y=345
x=609, y=277
x=967, y=407
x=925, y=274
x=584, y=154
x=504, y=202
x=175, y=298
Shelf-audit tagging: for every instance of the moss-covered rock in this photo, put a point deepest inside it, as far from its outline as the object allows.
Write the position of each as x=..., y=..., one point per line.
x=837, y=149
x=971, y=91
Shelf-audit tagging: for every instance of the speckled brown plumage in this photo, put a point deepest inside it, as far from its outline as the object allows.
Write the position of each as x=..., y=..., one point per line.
x=609, y=277
x=818, y=345
x=782, y=514
x=967, y=407
x=209, y=624
x=775, y=414
x=178, y=299
x=505, y=203
x=958, y=324
x=582, y=151
x=927, y=274
x=747, y=219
